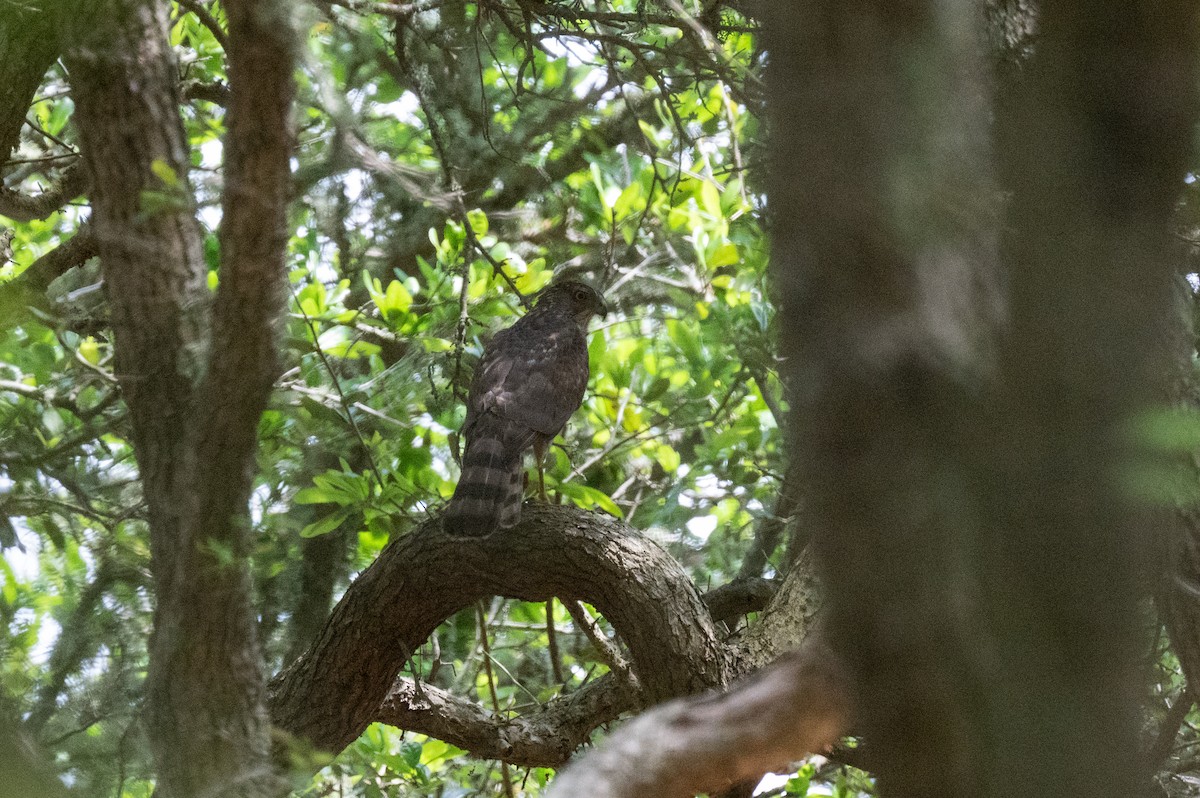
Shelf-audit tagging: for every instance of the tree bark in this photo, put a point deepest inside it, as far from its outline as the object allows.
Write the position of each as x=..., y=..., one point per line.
x=28, y=46
x=330, y=695
x=979, y=544
x=883, y=228
x=1097, y=153
x=795, y=706
x=547, y=738
x=194, y=419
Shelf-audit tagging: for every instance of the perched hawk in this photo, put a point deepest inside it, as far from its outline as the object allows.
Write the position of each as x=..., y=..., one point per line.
x=527, y=385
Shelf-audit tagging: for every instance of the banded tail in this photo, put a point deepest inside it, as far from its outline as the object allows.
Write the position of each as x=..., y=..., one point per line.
x=488, y=494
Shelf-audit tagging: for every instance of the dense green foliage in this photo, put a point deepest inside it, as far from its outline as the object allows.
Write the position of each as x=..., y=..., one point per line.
x=447, y=164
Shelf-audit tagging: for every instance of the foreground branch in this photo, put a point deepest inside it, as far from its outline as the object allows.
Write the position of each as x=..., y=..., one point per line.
x=794, y=707
x=28, y=46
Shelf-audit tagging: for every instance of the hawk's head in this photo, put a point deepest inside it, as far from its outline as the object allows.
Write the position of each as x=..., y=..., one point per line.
x=578, y=298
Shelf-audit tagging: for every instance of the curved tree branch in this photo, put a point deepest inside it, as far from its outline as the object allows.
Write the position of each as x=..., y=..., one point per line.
x=330, y=695
x=24, y=208
x=28, y=46
x=741, y=596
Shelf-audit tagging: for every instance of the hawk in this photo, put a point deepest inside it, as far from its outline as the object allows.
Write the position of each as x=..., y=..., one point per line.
x=529, y=382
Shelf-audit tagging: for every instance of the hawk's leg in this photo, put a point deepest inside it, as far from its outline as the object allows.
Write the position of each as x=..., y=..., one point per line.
x=539, y=456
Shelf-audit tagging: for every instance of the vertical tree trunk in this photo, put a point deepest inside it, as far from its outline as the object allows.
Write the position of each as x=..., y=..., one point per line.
x=980, y=548
x=126, y=108
x=884, y=251
x=1097, y=148
x=194, y=417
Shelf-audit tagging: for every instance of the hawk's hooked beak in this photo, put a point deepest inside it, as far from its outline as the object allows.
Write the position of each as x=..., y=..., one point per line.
x=603, y=309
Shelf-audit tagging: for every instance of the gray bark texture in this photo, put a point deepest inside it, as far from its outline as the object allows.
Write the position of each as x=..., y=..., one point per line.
x=1098, y=148
x=793, y=707
x=883, y=223
x=194, y=419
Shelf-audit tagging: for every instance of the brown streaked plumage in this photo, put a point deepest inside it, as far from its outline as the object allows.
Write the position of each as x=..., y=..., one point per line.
x=529, y=382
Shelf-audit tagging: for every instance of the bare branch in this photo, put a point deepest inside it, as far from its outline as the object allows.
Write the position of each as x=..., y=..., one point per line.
x=215, y=92
x=546, y=738
x=769, y=529
x=207, y=20
x=23, y=208
x=739, y=597
x=610, y=655
x=29, y=288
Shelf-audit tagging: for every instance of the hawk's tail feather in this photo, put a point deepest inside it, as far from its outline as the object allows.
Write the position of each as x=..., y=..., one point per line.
x=488, y=495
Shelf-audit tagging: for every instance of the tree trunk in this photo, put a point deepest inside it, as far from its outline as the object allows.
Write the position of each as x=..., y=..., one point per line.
x=1097, y=149
x=885, y=259
x=979, y=547
x=194, y=419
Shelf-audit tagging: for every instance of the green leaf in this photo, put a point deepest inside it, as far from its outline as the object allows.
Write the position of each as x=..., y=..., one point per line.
x=313, y=495
x=710, y=199
x=411, y=751
x=478, y=221
x=649, y=132
x=725, y=255
x=668, y=458
x=656, y=389
x=396, y=299
x=588, y=497
x=327, y=524
x=163, y=171
x=432, y=344
x=89, y=350
x=9, y=587
x=631, y=200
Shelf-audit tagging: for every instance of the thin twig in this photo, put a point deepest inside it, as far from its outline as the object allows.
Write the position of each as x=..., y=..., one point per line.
x=343, y=400
x=1165, y=741
x=497, y=267
x=207, y=20
x=505, y=776
x=50, y=135
x=552, y=643
x=609, y=654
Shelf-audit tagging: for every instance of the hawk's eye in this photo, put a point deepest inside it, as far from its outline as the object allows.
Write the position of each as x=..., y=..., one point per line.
x=580, y=295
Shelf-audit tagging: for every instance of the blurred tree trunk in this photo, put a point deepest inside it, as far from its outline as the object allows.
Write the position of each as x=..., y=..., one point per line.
x=886, y=261
x=981, y=552
x=1099, y=149
x=194, y=417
